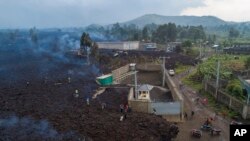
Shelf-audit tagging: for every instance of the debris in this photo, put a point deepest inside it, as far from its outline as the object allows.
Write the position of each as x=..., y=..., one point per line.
x=87, y=100
x=121, y=118
x=58, y=84
x=76, y=94
x=27, y=83
x=69, y=80
x=103, y=106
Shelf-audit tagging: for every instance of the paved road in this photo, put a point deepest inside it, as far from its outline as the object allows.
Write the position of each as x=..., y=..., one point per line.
x=201, y=112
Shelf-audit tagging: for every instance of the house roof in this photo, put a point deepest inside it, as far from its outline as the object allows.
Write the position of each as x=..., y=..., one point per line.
x=145, y=87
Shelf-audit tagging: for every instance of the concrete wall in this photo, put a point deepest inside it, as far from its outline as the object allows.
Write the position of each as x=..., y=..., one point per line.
x=148, y=67
x=144, y=106
x=228, y=100
x=177, y=96
x=120, y=71
x=130, y=45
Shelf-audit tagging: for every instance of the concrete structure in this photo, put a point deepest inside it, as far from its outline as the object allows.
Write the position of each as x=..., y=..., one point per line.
x=144, y=92
x=172, y=45
x=128, y=45
x=172, y=111
x=248, y=81
x=238, y=49
x=105, y=80
x=149, y=46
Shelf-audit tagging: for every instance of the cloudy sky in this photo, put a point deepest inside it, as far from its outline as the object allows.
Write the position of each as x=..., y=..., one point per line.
x=75, y=13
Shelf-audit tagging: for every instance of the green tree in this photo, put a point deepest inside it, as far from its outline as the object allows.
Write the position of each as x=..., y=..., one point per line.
x=233, y=33
x=171, y=32
x=247, y=63
x=85, y=43
x=187, y=43
x=145, y=34
x=165, y=33
x=33, y=35
x=94, y=51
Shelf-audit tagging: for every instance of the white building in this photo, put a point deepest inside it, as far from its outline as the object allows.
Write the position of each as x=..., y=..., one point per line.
x=128, y=45
x=144, y=92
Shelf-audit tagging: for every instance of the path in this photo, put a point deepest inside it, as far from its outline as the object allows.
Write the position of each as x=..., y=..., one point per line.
x=201, y=113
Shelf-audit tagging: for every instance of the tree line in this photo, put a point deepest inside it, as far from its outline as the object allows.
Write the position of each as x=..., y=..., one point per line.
x=149, y=33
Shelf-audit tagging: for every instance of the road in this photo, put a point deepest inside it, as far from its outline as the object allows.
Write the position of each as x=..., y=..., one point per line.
x=201, y=113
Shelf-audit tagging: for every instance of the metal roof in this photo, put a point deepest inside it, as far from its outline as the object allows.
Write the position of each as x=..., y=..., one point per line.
x=145, y=87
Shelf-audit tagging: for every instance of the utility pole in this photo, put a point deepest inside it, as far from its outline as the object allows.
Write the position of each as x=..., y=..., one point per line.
x=136, y=92
x=88, y=56
x=217, y=77
x=164, y=70
x=200, y=49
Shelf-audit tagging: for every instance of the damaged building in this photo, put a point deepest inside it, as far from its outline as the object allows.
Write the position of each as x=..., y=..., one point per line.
x=127, y=45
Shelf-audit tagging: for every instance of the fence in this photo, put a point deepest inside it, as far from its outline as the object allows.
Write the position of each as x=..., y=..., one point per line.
x=228, y=100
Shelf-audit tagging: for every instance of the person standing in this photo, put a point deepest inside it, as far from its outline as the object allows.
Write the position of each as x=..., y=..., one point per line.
x=121, y=108
x=87, y=100
x=185, y=115
x=192, y=114
x=126, y=108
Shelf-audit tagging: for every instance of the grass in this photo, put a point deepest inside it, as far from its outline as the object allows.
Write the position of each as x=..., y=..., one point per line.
x=215, y=106
x=181, y=68
x=193, y=84
x=218, y=107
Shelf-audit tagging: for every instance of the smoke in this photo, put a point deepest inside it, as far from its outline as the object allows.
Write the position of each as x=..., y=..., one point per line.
x=14, y=128
x=51, y=55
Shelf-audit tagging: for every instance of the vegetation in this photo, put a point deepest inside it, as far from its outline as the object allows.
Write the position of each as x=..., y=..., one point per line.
x=247, y=63
x=219, y=108
x=180, y=68
x=207, y=70
x=235, y=89
x=157, y=33
x=228, y=65
x=33, y=35
x=193, y=83
x=87, y=46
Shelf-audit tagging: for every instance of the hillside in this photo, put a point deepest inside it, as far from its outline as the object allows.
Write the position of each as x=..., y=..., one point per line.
x=179, y=20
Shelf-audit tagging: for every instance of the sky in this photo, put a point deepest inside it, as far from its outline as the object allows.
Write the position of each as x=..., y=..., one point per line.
x=79, y=13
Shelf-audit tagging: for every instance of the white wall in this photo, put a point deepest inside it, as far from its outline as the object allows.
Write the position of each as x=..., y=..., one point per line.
x=130, y=45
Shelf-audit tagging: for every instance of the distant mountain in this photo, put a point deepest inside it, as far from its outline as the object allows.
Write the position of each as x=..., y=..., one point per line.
x=178, y=20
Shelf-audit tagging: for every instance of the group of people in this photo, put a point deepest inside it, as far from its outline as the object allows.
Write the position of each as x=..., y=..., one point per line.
x=208, y=121
x=186, y=115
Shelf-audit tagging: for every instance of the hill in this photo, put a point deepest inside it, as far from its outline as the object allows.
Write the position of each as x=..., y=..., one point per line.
x=179, y=20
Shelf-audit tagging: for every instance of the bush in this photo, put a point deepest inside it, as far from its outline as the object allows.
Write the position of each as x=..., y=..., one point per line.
x=237, y=90
x=247, y=63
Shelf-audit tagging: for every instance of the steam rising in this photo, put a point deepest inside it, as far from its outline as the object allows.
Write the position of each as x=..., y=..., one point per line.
x=14, y=128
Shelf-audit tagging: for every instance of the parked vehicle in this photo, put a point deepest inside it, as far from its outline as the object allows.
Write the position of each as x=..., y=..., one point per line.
x=171, y=72
x=206, y=127
x=215, y=131
x=196, y=133
x=234, y=122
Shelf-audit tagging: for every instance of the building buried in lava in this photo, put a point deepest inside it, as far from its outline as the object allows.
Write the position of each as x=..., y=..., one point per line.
x=128, y=45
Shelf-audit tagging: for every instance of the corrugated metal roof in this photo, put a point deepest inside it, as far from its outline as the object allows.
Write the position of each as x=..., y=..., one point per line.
x=145, y=87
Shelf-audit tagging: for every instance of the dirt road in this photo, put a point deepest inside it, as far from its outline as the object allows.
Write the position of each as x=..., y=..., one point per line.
x=201, y=112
